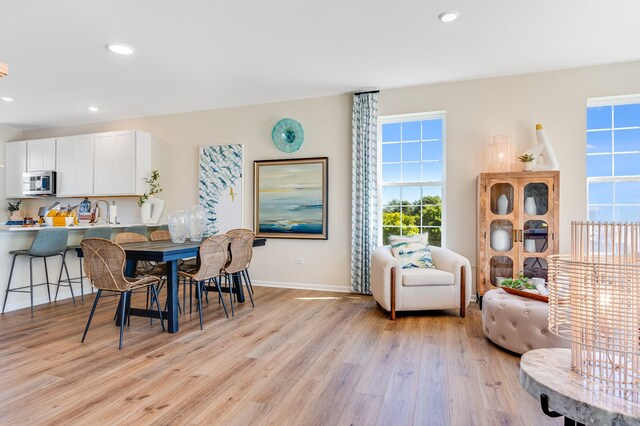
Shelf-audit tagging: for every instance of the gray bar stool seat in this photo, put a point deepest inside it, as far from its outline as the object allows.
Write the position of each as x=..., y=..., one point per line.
x=96, y=232
x=47, y=243
x=138, y=229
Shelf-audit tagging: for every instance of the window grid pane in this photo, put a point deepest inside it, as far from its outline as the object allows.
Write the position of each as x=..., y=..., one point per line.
x=613, y=163
x=409, y=206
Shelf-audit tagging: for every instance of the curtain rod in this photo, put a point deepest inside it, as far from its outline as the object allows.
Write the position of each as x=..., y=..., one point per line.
x=367, y=91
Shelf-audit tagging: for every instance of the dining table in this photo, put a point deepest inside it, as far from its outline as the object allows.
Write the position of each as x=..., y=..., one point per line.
x=170, y=253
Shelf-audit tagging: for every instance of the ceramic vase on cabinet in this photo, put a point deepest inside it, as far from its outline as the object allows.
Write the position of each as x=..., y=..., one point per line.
x=500, y=240
x=530, y=206
x=178, y=226
x=503, y=204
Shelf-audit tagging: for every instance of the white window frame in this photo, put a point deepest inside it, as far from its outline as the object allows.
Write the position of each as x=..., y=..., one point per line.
x=610, y=101
x=400, y=118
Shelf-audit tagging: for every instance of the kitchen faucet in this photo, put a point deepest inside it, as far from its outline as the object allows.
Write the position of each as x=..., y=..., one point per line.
x=106, y=210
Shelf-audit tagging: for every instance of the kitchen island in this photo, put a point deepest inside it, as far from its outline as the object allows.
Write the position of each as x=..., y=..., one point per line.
x=17, y=237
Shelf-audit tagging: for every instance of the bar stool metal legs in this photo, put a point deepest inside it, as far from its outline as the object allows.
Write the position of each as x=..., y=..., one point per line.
x=29, y=288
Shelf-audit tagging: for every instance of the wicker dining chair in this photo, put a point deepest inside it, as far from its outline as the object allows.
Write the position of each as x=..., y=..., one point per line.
x=244, y=233
x=213, y=257
x=144, y=267
x=95, y=232
x=104, y=265
x=160, y=235
x=241, y=250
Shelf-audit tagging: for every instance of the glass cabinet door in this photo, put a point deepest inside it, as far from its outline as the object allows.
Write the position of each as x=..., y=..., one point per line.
x=536, y=199
x=500, y=268
x=502, y=198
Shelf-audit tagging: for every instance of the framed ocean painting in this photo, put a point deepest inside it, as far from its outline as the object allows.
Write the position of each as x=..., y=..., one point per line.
x=290, y=198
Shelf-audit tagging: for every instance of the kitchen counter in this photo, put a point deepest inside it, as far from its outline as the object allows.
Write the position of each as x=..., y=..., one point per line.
x=17, y=237
x=80, y=227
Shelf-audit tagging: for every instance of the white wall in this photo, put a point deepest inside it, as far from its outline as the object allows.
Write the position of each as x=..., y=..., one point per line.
x=475, y=110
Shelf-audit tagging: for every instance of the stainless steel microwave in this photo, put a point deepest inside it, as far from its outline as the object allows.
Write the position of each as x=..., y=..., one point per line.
x=39, y=183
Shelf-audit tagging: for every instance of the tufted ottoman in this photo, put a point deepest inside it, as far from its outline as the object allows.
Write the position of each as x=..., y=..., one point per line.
x=517, y=323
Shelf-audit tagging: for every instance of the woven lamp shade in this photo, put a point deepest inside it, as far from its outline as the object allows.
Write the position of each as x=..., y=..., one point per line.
x=594, y=302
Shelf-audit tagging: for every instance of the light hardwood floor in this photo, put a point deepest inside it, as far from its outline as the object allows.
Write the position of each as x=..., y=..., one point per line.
x=297, y=358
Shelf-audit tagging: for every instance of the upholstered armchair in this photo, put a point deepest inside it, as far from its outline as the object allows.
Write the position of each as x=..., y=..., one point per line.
x=416, y=289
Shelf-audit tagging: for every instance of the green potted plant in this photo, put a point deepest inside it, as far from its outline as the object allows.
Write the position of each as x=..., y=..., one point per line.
x=154, y=187
x=527, y=161
x=13, y=208
x=151, y=207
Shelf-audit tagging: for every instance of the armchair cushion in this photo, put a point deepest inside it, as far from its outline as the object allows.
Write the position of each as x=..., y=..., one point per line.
x=423, y=276
x=412, y=252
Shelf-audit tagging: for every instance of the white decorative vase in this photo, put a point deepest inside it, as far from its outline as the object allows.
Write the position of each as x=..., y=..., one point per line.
x=530, y=245
x=500, y=240
x=530, y=207
x=151, y=210
x=503, y=204
x=16, y=215
x=527, y=166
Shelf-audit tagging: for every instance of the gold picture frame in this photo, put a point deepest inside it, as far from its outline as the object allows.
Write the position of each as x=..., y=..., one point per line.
x=291, y=198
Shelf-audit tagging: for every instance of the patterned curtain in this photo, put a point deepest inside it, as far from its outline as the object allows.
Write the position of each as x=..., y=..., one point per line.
x=364, y=202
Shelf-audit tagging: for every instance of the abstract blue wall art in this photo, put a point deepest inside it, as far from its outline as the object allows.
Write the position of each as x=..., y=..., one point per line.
x=290, y=198
x=220, y=188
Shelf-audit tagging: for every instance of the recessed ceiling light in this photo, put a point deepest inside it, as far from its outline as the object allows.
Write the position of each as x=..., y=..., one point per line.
x=120, y=49
x=449, y=16
x=93, y=108
x=6, y=98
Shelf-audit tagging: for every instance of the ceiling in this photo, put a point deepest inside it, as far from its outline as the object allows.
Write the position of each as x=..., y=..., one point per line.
x=203, y=54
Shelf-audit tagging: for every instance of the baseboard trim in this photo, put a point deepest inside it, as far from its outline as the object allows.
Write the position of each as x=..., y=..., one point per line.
x=302, y=286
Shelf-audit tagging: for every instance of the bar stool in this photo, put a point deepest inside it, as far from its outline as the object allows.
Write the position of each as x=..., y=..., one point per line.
x=47, y=243
x=138, y=229
x=97, y=232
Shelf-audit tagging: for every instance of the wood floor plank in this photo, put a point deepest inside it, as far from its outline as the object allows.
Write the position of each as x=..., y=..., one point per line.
x=297, y=358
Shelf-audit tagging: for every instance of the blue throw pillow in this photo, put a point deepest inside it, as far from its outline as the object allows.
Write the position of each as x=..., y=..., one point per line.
x=412, y=252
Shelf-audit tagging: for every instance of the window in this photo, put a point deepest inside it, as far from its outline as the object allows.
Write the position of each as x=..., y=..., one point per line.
x=613, y=159
x=411, y=170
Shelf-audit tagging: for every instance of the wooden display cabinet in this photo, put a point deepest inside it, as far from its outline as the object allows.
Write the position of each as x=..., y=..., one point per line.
x=517, y=238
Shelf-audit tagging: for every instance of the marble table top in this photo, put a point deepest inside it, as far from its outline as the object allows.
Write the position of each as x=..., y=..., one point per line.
x=548, y=371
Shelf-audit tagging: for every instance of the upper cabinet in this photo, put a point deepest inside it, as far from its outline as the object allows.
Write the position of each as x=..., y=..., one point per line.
x=122, y=160
x=74, y=157
x=15, y=159
x=100, y=164
x=41, y=155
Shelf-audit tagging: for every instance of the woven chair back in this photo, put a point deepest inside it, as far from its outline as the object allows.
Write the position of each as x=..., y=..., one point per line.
x=213, y=257
x=89, y=248
x=160, y=235
x=105, y=264
x=241, y=249
x=129, y=237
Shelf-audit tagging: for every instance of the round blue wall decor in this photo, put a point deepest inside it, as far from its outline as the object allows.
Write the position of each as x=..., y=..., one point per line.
x=287, y=135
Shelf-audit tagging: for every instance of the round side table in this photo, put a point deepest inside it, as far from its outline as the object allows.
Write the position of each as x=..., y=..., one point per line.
x=546, y=374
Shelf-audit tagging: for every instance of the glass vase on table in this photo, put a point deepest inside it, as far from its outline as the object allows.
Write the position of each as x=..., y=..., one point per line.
x=178, y=226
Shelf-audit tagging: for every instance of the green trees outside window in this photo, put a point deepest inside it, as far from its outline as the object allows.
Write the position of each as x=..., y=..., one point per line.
x=411, y=218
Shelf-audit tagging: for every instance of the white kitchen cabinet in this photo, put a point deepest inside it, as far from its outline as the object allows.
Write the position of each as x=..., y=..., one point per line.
x=121, y=161
x=15, y=160
x=74, y=157
x=41, y=154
